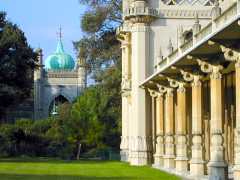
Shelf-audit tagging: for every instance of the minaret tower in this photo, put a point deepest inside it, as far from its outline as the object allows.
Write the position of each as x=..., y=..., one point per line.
x=38, y=75
x=82, y=72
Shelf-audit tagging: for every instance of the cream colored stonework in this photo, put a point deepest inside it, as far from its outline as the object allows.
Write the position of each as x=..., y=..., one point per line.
x=180, y=86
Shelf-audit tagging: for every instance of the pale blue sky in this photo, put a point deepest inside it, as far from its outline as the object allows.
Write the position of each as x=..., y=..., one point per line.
x=40, y=20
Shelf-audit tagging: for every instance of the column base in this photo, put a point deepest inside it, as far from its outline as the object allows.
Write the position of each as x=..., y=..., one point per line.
x=218, y=170
x=197, y=168
x=158, y=160
x=181, y=165
x=236, y=175
x=236, y=172
x=140, y=158
x=124, y=155
x=169, y=162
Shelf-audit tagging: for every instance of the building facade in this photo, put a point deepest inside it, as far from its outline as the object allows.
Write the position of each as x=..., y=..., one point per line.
x=180, y=86
x=57, y=80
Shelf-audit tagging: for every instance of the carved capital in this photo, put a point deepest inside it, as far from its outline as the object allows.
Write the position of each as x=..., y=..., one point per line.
x=205, y=67
x=152, y=93
x=196, y=81
x=187, y=76
x=216, y=74
x=230, y=54
x=161, y=88
x=215, y=70
x=181, y=88
x=173, y=83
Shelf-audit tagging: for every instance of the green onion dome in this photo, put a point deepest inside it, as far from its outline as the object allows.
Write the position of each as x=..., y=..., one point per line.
x=59, y=60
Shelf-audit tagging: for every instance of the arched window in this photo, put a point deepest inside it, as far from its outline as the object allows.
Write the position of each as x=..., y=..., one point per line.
x=54, y=106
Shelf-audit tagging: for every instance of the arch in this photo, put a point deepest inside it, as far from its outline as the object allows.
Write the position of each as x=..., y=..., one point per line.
x=61, y=97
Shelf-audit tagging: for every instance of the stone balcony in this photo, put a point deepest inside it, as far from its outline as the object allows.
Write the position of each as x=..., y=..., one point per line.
x=218, y=29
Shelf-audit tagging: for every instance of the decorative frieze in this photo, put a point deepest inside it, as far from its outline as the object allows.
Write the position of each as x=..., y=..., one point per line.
x=188, y=2
x=61, y=74
x=149, y=13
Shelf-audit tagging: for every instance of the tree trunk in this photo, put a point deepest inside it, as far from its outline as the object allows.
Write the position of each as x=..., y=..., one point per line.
x=79, y=151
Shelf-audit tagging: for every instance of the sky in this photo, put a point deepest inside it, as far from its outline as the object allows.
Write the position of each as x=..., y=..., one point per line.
x=41, y=19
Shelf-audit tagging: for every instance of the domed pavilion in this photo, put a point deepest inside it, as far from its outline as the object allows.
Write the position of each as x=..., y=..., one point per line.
x=58, y=80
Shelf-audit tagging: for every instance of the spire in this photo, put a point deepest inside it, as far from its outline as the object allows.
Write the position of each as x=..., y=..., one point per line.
x=196, y=18
x=170, y=46
x=60, y=33
x=196, y=26
x=216, y=10
x=60, y=48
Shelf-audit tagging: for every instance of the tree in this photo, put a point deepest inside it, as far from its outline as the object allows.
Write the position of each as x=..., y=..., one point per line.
x=102, y=52
x=17, y=64
x=85, y=127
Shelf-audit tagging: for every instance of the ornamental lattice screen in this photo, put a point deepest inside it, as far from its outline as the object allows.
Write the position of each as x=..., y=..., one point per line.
x=190, y=2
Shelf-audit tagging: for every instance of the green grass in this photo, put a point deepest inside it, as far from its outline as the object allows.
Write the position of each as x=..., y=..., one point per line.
x=40, y=169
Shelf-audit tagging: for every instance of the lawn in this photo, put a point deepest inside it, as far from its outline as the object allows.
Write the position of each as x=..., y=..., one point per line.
x=40, y=169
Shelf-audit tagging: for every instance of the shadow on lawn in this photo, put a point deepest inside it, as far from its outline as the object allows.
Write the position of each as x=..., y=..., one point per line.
x=51, y=161
x=60, y=177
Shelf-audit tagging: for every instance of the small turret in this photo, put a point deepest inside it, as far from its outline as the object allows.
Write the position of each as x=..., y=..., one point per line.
x=82, y=74
x=170, y=46
x=197, y=26
x=38, y=75
x=39, y=56
x=216, y=10
x=39, y=65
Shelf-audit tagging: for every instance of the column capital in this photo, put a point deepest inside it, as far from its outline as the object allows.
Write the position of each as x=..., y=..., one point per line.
x=187, y=76
x=173, y=83
x=214, y=70
x=152, y=93
x=181, y=88
x=230, y=54
x=177, y=84
x=197, y=81
x=162, y=89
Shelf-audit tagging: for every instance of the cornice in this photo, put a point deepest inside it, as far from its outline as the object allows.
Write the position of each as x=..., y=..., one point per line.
x=164, y=13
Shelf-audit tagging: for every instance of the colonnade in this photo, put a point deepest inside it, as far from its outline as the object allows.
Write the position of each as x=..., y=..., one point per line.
x=180, y=141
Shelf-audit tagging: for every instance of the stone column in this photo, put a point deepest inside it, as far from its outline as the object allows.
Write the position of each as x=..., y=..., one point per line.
x=217, y=165
x=141, y=137
x=237, y=146
x=234, y=56
x=153, y=95
x=125, y=124
x=126, y=89
x=197, y=163
x=158, y=156
x=169, y=155
x=181, y=144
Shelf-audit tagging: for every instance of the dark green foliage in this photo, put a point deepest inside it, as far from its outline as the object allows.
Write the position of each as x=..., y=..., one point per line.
x=102, y=52
x=16, y=64
x=88, y=122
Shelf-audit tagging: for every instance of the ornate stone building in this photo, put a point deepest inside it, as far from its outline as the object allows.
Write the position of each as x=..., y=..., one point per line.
x=181, y=86
x=59, y=79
